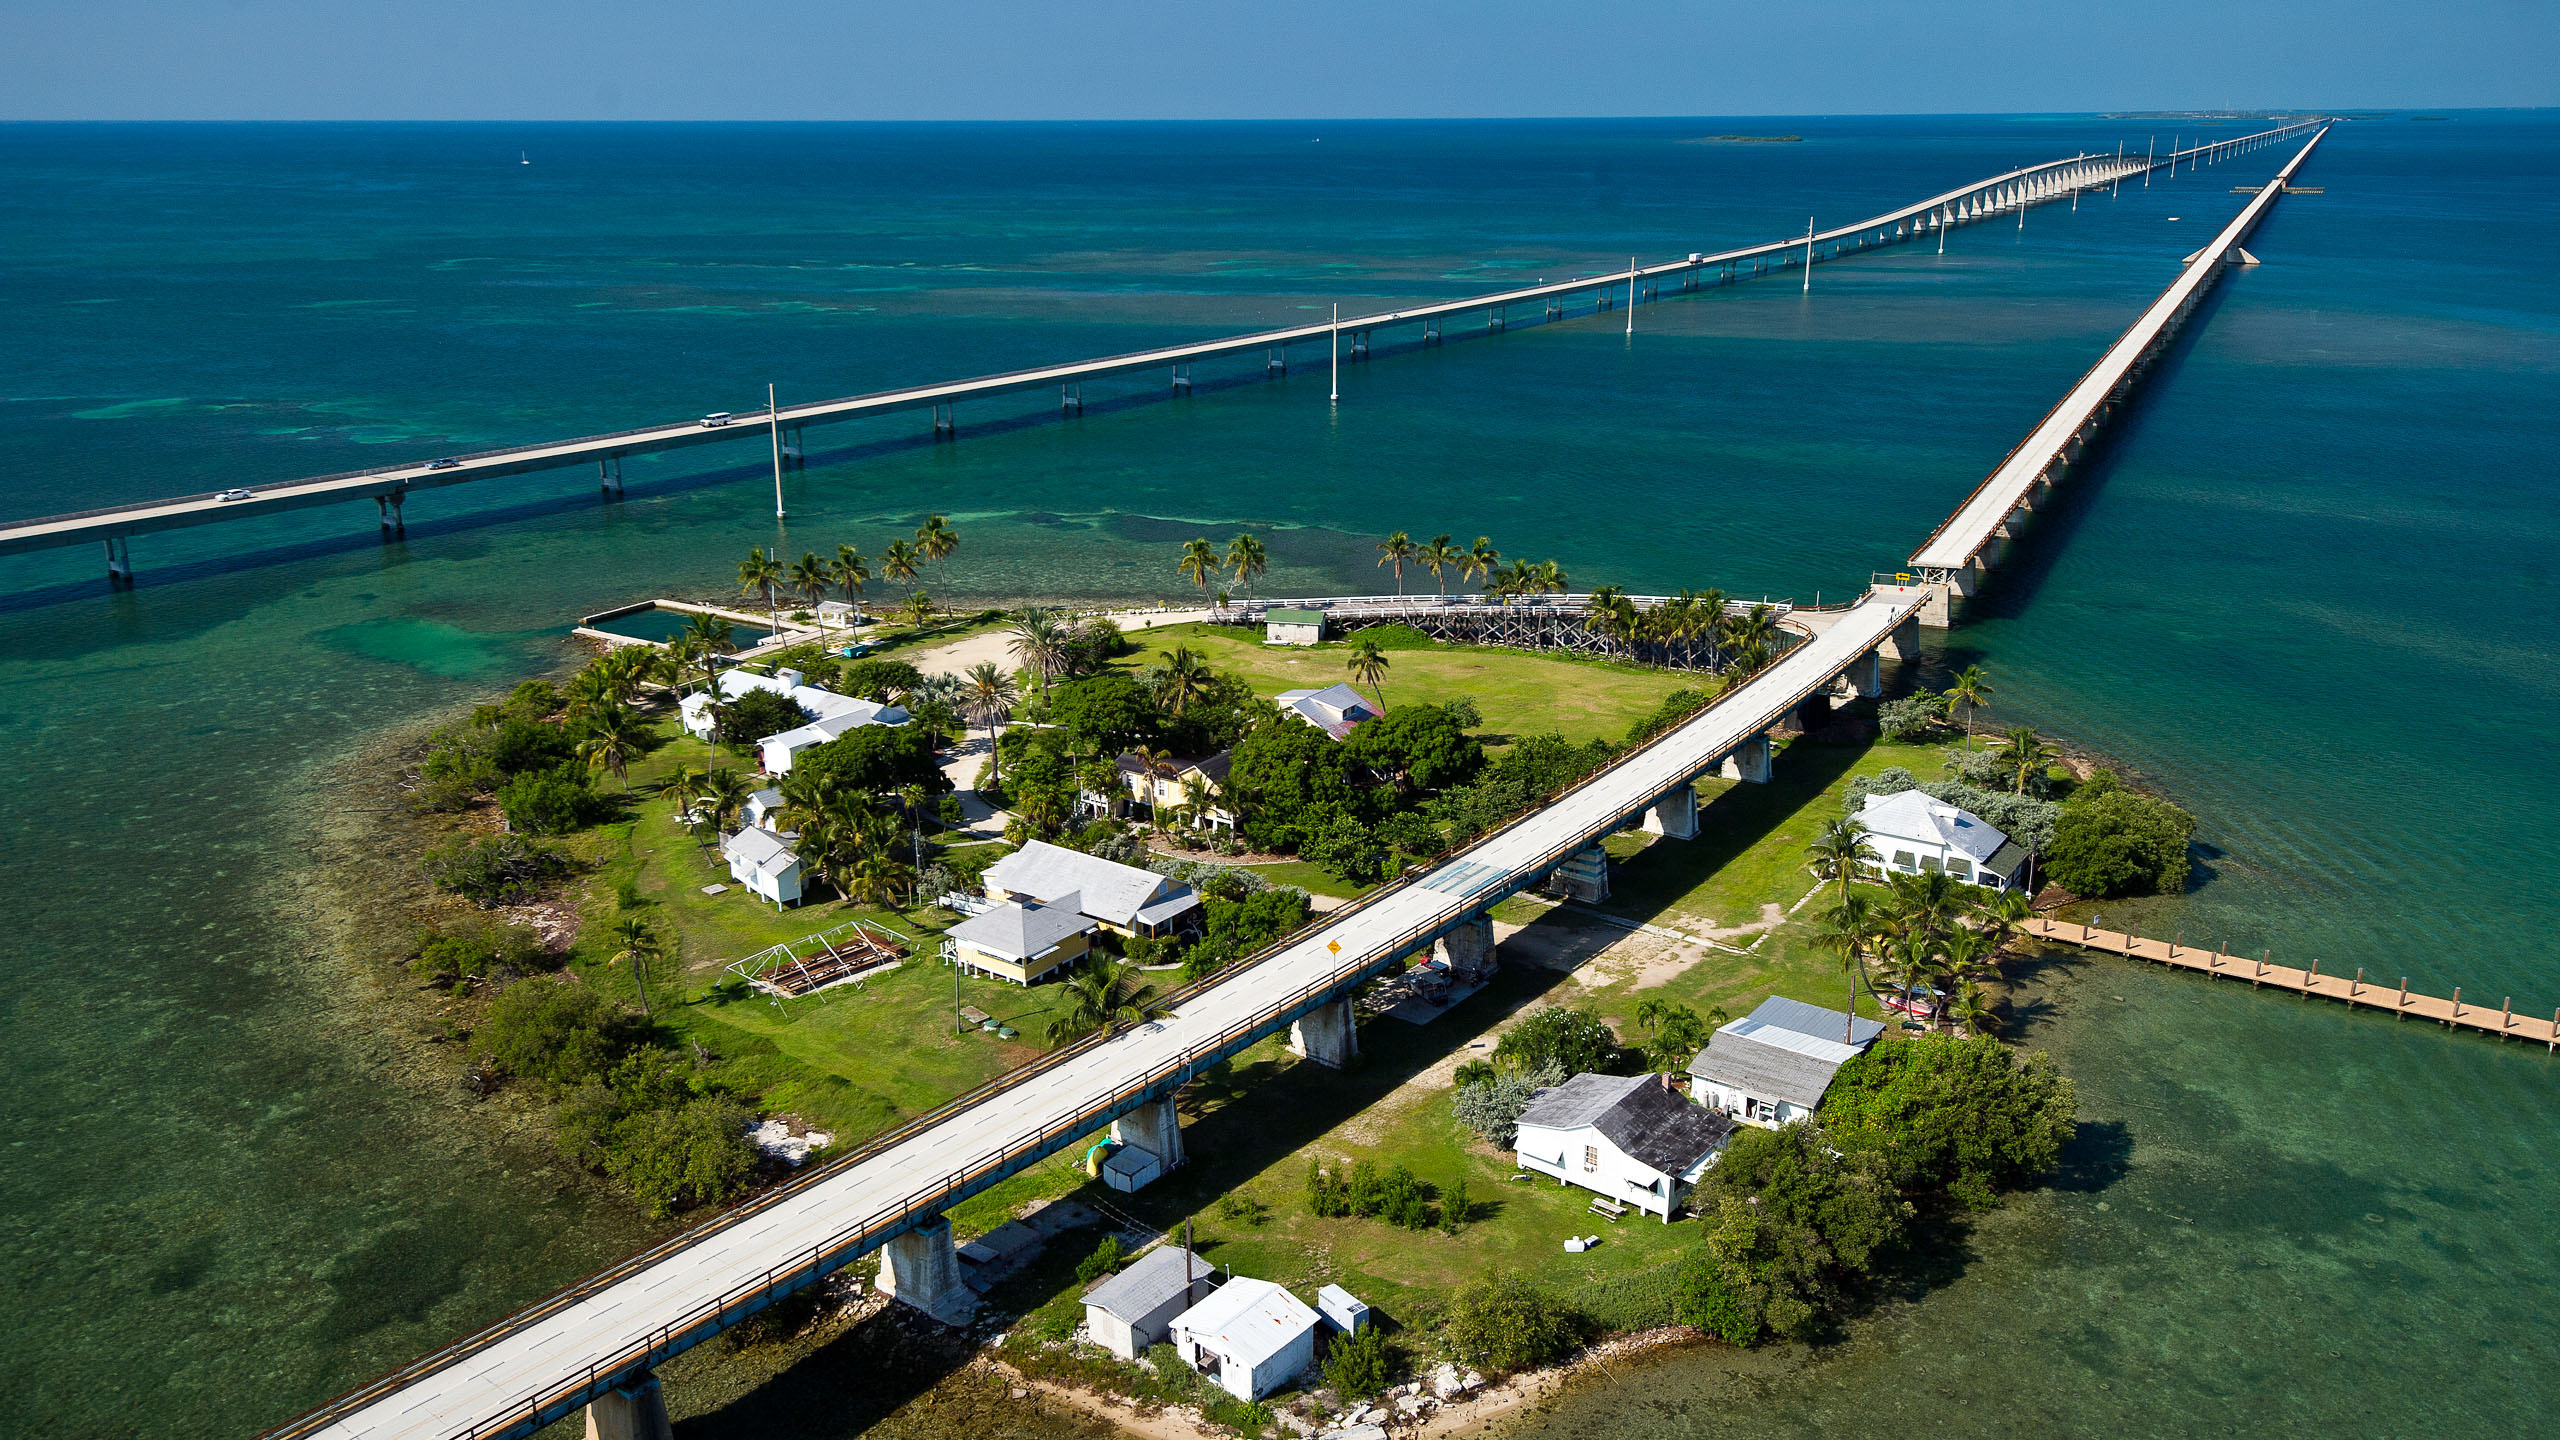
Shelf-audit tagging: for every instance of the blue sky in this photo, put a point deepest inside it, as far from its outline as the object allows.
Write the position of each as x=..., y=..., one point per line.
x=1197, y=59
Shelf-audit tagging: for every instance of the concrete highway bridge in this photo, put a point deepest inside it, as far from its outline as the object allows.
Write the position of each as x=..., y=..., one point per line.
x=597, y=1343
x=390, y=486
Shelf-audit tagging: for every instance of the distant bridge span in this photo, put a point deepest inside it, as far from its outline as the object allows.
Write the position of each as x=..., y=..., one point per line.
x=390, y=486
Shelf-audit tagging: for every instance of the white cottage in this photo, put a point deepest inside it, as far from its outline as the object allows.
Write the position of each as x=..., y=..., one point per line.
x=1134, y=1310
x=1911, y=833
x=764, y=809
x=1250, y=1337
x=832, y=714
x=1772, y=1065
x=1124, y=898
x=1292, y=627
x=1630, y=1139
x=1337, y=710
x=761, y=862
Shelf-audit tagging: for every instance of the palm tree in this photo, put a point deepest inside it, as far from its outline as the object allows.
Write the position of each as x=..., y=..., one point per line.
x=919, y=610
x=1835, y=852
x=935, y=540
x=711, y=633
x=726, y=792
x=810, y=576
x=1439, y=557
x=639, y=945
x=1750, y=637
x=610, y=737
x=1103, y=993
x=1551, y=578
x=988, y=697
x=1972, y=1009
x=898, y=562
x=2003, y=915
x=1480, y=559
x=1368, y=665
x=1850, y=931
x=851, y=571
x=1247, y=558
x=2028, y=754
x=1972, y=690
x=1521, y=578
x=1182, y=678
x=1039, y=642
x=760, y=571
x=1196, y=801
x=1199, y=562
x=1395, y=550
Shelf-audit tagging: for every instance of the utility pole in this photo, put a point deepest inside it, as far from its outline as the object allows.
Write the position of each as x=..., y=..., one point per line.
x=1808, y=254
x=1337, y=352
x=773, y=413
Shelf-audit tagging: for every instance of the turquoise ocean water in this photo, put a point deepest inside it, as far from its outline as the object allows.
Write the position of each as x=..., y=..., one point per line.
x=2307, y=591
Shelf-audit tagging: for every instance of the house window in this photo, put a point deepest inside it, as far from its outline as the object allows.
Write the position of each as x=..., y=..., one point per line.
x=1929, y=862
x=1961, y=869
x=1905, y=860
x=1590, y=1157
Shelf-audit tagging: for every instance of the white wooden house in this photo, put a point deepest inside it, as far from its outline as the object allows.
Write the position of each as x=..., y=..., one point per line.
x=1630, y=1139
x=1912, y=834
x=760, y=861
x=1772, y=1065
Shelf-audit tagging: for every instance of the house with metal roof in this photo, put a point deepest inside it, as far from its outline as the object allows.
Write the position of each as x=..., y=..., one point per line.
x=1630, y=1139
x=1019, y=942
x=1250, y=1337
x=1133, y=1311
x=830, y=714
x=1292, y=627
x=1772, y=1065
x=1123, y=898
x=1337, y=710
x=761, y=862
x=1912, y=833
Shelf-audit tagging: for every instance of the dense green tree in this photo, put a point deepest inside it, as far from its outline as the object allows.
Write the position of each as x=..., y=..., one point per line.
x=1790, y=1219
x=550, y=802
x=677, y=1157
x=1505, y=1323
x=757, y=714
x=877, y=679
x=493, y=870
x=551, y=1030
x=1966, y=1117
x=1359, y=1365
x=874, y=760
x=1574, y=1040
x=1291, y=778
x=2111, y=841
x=1109, y=713
x=1347, y=849
x=1419, y=744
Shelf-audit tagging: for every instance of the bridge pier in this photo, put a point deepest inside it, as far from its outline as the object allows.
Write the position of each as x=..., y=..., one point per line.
x=609, y=477
x=1154, y=1127
x=919, y=1267
x=1431, y=332
x=795, y=452
x=637, y=1411
x=1276, y=360
x=1181, y=379
x=946, y=421
x=1497, y=318
x=1583, y=876
x=389, y=507
x=1866, y=675
x=1071, y=399
x=1749, y=761
x=119, y=559
x=1467, y=949
x=1328, y=1035
x=1359, y=344
x=1675, y=815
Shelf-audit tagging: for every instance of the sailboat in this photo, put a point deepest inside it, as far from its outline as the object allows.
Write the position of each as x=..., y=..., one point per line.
x=522, y=158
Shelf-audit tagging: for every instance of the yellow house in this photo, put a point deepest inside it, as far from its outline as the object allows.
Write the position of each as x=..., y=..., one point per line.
x=1170, y=787
x=1018, y=942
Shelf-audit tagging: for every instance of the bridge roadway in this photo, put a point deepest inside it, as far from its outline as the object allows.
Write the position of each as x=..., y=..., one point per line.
x=565, y=1351
x=2031, y=185
x=1966, y=543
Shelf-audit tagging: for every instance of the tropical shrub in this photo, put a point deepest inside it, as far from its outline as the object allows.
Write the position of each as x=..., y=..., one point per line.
x=877, y=679
x=1789, y=1220
x=1502, y=1322
x=492, y=870
x=1573, y=1040
x=551, y=1030
x=551, y=802
x=1359, y=1365
x=759, y=713
x=1490, y=1103
x=1347, y=849
x=2112, y=841
x=1916, y=716
x=875, y=759
x=1967, y=1118
x=1104, y=1259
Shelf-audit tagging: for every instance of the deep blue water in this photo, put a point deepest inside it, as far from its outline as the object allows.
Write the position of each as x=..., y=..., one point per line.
x=2307, y=592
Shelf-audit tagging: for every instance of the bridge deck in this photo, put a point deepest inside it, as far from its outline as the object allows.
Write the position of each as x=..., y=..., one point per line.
x=485, y=1388
x=1962, y=536
x=186, y=511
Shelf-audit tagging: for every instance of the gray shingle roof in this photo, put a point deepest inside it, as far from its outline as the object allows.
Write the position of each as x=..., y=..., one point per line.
x=1150, y=1281
x=1636, y=1113
x=1020, y=932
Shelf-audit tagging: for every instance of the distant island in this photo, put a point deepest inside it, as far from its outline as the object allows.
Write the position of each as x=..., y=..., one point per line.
x=1746, y=140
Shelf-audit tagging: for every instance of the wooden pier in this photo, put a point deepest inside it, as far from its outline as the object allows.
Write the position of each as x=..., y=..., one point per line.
x=2499, y=1020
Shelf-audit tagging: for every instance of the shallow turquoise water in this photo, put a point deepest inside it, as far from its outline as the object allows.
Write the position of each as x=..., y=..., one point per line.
x=2307, y=593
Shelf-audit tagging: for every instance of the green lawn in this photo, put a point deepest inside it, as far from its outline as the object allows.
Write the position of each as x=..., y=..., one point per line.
x=1519, y=692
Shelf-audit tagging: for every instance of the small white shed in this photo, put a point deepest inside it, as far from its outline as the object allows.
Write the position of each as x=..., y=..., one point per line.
x=1250, y=1337
x=1130, y=1169
x=1292, y=627
x=1129, y=1312
x=1342, y=1310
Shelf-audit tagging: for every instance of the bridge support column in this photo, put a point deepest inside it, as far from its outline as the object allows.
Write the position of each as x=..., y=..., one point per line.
x=1328, y=1036
x=637, y=1411
x=1675, y=815
x=1181, y=379
x=1276, y=361
x=1749, y=761
x=1071, y=399
x=1468, y=951
x=1430, y=332
x=1902, y=642
x=1583, y=876
x=1866, y=675
x=609, y=477
x=389, y=506
x=920, y=1268
x=119, y=559
x=1154, y=1127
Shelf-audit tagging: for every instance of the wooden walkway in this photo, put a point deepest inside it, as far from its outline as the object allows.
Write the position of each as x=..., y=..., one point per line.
x=2500, y=1021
